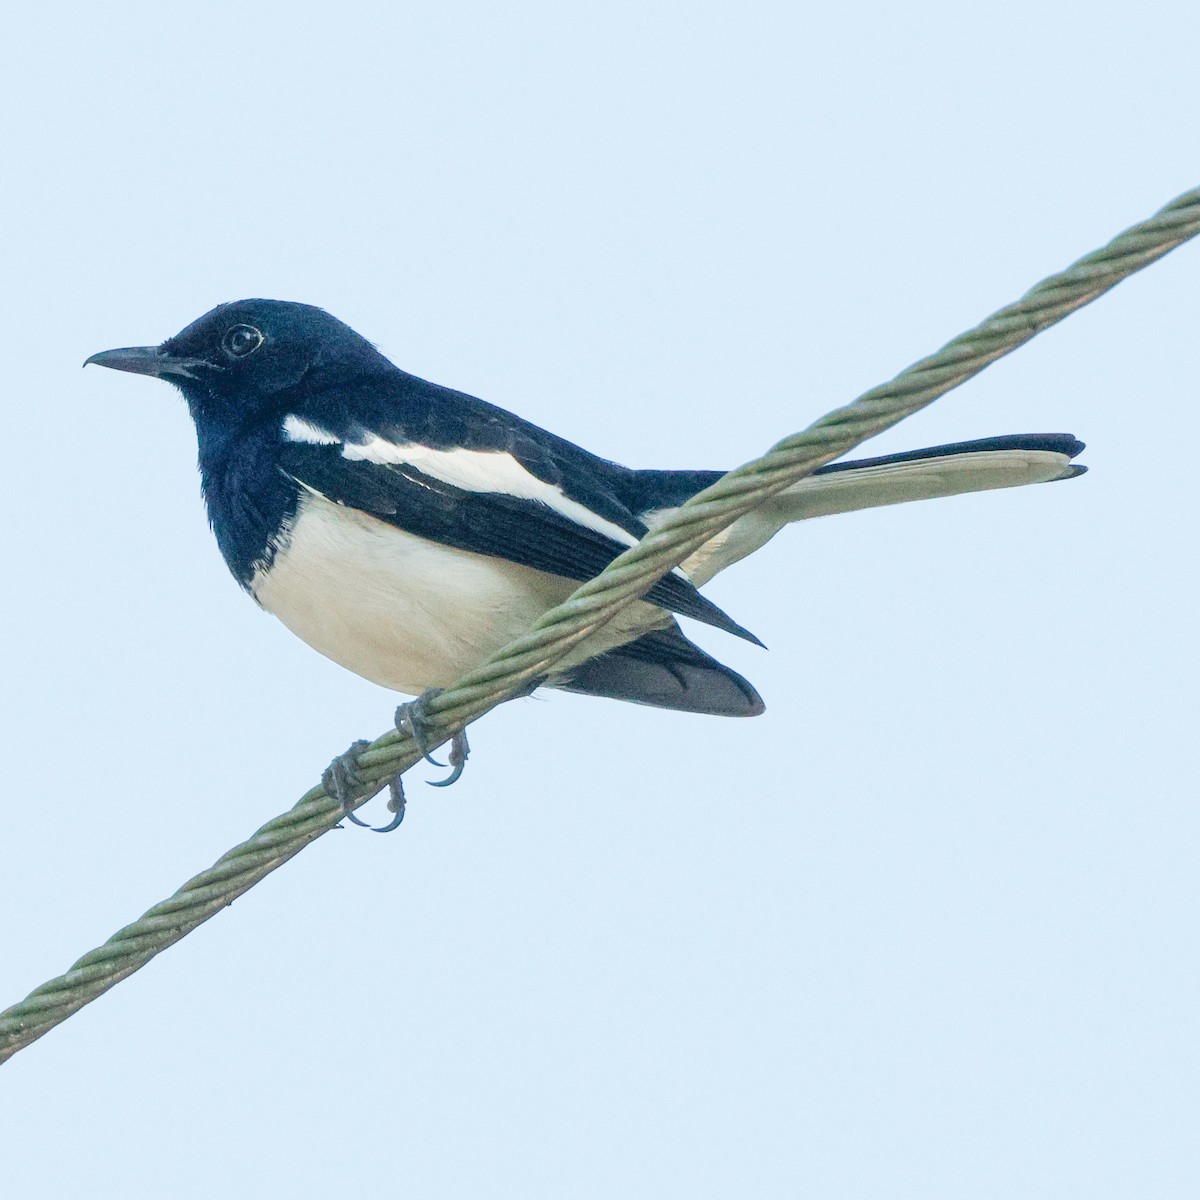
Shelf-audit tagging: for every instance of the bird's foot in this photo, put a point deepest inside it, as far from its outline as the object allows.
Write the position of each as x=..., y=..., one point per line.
x=344, y=783
x=413, y=719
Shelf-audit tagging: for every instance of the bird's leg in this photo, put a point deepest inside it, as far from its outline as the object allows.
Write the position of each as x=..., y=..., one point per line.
x=413, y=719
x=343, y=782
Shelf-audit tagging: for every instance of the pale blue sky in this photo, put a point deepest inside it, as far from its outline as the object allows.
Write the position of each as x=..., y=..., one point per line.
x=927, y=928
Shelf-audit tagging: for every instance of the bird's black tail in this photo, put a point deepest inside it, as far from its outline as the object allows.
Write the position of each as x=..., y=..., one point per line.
x=653, y=491
x=841, y=487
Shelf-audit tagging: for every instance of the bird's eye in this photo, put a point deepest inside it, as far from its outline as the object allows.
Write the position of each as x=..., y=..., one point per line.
x=240, y=340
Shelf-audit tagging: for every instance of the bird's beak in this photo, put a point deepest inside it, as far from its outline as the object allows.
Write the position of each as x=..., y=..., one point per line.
x=144, y=360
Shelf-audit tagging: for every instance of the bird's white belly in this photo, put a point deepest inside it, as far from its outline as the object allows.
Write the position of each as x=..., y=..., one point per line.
x=405, y=612
x=401, y=611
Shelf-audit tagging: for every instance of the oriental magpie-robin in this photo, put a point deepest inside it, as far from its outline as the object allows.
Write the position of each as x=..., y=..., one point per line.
x=407, y=531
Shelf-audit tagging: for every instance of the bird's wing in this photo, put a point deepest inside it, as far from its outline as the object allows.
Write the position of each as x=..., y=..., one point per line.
x=486, y=501
x=663, y=669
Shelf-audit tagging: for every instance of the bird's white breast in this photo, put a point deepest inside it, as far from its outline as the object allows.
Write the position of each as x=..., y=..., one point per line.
x=399, y=610
x=405, y=612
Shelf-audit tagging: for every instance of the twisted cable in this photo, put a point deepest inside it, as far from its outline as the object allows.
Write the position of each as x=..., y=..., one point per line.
x=629, y=576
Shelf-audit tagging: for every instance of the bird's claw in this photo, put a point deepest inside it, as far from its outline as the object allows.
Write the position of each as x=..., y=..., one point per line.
x=395, y=805
x=413, y=719
x=459, y=751
x=342, y=780
x=344, y=783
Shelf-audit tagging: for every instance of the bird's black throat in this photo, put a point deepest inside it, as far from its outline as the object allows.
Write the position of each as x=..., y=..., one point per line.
x=250, y=502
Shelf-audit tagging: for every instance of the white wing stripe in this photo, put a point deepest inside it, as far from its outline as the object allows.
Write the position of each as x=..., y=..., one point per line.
x=483, y=471
x=493, y=471
x=297, y=429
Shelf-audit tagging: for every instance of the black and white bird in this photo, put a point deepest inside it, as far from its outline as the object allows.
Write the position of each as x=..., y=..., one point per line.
x=407, y=531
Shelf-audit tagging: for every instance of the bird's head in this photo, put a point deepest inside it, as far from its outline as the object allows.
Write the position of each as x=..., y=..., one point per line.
x=249, y=357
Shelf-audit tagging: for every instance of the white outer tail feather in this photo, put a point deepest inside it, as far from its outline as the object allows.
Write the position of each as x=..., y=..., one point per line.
x=873, y=487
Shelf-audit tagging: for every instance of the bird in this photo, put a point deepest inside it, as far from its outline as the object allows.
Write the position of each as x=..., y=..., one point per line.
x=407, y=531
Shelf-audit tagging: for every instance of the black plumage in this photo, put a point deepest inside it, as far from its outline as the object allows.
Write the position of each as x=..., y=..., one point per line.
x=312, y=446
